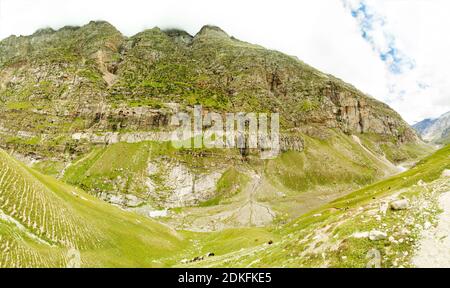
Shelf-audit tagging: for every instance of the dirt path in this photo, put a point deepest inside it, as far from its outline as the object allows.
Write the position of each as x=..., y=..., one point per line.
x=254, y=213
x=247, y=211
x=434, y=251
x=243, y=210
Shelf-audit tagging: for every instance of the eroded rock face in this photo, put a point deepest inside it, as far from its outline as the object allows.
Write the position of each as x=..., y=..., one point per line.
x=165, y=183
x=115, y=137
x=291, y=143
x=126, y=118
x=177, y=186
x=353, y=113
x=122, y=200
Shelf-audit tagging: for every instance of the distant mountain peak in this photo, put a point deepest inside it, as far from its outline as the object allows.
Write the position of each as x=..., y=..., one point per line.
x=212, y=30
x=434, y=130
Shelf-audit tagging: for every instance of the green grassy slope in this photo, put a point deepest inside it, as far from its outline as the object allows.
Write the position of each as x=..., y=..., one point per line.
x=98, y=170
x=346, y=162
x=323, y=237
x=42, y=219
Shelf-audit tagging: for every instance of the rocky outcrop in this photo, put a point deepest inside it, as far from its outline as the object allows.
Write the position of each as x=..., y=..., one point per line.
x=121, y=200
x=172, y=184
x=127, y=118
x=108, y=138
x=354, y=113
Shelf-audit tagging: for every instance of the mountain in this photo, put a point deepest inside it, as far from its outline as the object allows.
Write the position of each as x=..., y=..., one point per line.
x=435, y=130
x=93, y=78
x=84, y=111
x=422, y=126
x=86, y=105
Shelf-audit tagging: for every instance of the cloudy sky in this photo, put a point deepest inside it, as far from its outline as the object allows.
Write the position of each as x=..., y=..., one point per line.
x=395, y=50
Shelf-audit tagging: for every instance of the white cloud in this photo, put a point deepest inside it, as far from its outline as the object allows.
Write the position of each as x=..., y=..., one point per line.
x=322, y=33
x=419, y=27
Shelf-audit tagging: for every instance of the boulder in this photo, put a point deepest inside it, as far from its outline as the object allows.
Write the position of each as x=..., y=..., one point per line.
x=360, y=235
x=446, y=173
x=400, y=204
x=375, y=235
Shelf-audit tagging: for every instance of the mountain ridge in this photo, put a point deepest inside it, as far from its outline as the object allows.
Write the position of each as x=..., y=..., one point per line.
x=116, y=60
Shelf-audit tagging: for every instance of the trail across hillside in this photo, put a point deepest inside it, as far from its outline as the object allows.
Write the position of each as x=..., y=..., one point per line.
x=434, y=251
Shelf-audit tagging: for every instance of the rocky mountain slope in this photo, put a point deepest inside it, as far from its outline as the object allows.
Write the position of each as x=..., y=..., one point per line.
x=86, y=110
x=63, y=93
x=93, y=78
x=435, y=130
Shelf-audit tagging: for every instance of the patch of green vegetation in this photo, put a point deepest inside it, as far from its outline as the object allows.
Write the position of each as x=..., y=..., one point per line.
x=51, y=168
x=27, y=141
x=24, y=105
x=229, y=240
x=307, y=105
x=91, y=75
x=119, y=167
x=151, y=84
x=393, y=151
x=19, y=94
x=338, y=160
x=428, y=169
x=76, y=125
